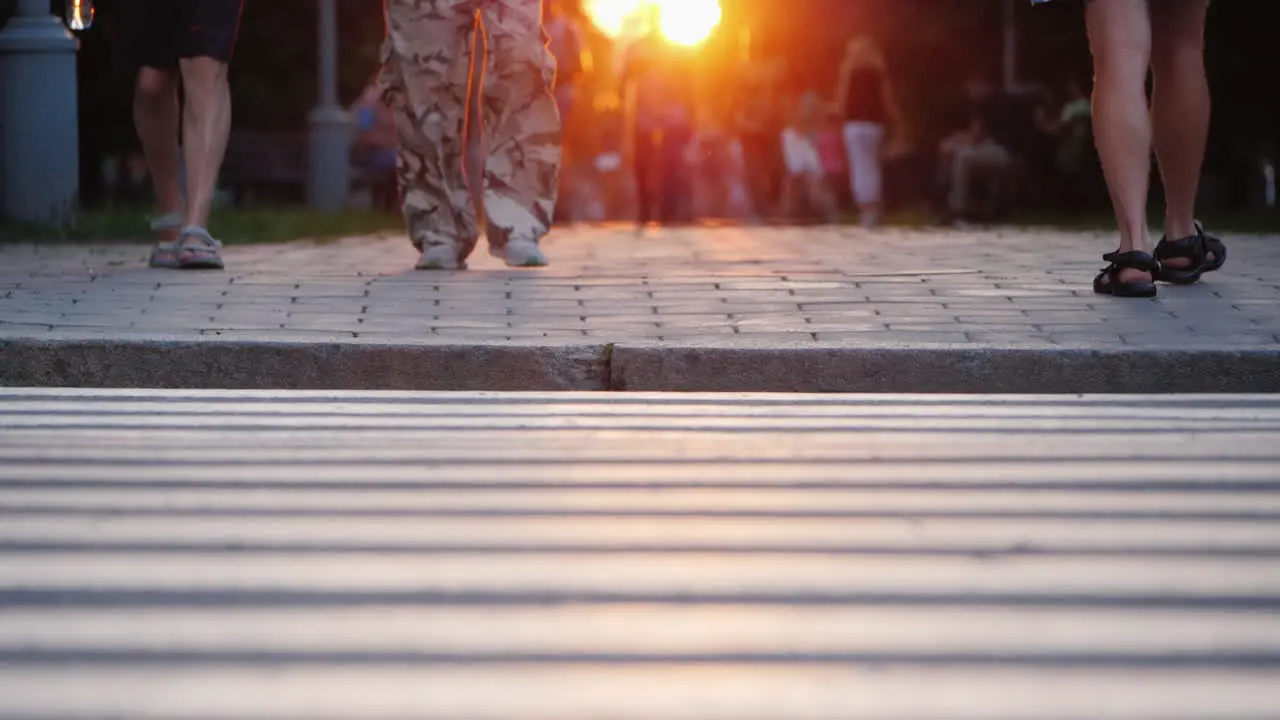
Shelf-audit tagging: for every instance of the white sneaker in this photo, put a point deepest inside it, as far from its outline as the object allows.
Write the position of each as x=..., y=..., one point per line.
x=440, y=257
x=520, y=253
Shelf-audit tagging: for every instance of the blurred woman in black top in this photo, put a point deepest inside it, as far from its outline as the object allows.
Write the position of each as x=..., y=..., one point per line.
x=865, y=101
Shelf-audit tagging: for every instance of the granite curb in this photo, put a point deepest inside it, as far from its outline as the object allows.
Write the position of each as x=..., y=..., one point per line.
x=292, y=365
x=273, y=364
x=944, y=369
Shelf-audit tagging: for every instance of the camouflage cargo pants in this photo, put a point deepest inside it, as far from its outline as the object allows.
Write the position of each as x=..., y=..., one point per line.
x=426, y=76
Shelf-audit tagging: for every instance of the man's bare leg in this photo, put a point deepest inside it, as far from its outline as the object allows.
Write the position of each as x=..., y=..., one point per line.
x=206, y=125
x=156, y=118
x=1179, y=111
x=1120, y=41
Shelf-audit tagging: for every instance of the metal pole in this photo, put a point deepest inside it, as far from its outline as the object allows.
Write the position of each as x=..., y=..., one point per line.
x=1010, y=46
x=328, y=75
x=39, y=123
x=330, y=160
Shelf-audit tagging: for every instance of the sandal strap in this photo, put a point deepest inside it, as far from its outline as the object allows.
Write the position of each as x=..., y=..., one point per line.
x=168, y=221
x=1134, y=259
x=1195, y=248
x=189, y=236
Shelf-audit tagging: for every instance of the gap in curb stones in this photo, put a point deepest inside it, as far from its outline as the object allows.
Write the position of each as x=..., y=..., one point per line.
x=621, y=367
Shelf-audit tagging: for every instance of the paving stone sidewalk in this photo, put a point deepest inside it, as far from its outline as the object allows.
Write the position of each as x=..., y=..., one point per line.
x=736, y=286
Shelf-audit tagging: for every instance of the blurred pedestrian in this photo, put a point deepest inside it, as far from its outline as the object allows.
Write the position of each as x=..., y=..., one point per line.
x=979, y=151
x=758, y=120
x=376, y=146
x=866, y=101
x=663, y=118
x=834, y=157
x=566, y=43
x=806, y=174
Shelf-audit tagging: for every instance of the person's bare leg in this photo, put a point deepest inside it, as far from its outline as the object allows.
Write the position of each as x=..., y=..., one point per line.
x=156, y=118
x=1179, y=110
x=823, y=198
x=206, y=125
x=787, y=203
x=1120, y=40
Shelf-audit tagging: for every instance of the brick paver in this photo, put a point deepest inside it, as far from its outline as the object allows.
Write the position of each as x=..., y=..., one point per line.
x=715, y=285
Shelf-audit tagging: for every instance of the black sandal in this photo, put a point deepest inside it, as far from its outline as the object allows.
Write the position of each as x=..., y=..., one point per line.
x=1196, y=248
x=1108, y=283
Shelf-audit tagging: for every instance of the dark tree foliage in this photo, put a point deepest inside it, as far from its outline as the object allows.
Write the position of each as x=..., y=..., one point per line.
x=273, y=75
x=932, y=45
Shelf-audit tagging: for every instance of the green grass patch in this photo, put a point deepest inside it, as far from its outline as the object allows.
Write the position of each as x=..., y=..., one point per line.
x=1249, y=222
x=277, y=225
x=232, y=226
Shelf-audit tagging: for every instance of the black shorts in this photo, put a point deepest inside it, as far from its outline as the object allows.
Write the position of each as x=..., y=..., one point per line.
x=158, y=33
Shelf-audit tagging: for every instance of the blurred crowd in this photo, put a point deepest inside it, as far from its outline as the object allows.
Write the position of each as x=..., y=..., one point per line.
x=649, y=138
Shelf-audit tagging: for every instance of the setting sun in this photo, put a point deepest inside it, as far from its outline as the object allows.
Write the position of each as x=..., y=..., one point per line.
x=684, y=22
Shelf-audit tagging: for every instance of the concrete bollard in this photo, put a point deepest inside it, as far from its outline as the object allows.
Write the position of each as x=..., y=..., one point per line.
x=39, y=123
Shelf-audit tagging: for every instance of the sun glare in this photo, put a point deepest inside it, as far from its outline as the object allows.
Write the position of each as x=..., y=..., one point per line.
x=683, y=22
x=611, y=15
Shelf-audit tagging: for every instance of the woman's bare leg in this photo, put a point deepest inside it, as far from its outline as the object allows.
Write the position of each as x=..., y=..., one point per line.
x=1179, y=110
x=1120, y=40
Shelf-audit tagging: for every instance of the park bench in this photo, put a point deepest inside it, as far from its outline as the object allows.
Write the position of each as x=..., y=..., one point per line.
x=265, y=168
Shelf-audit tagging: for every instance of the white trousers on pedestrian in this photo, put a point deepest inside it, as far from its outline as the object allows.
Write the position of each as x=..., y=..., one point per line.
x=862, y=144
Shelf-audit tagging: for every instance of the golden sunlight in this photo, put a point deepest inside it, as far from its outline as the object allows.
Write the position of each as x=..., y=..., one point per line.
x=683, y=22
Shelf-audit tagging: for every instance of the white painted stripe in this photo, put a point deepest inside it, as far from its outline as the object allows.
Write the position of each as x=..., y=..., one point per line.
x=360, y=470
x=853, y=502
x=590, y=555
x=621, y=446
x=643, y=629
x=671, y=692
x=124, y=422
x=773, y=534
x=645, y=575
